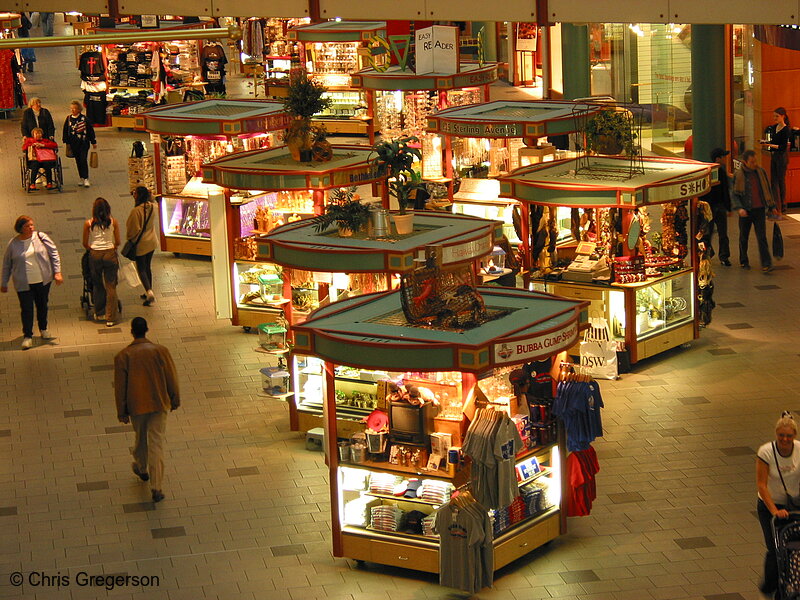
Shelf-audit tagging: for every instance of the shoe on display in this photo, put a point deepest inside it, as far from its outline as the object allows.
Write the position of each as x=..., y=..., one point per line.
x=143, y=475
x=27, y=343
x=725, y=262
x=158, y=496
x=46, y=335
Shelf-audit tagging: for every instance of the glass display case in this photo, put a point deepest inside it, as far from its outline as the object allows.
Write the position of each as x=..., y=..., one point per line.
x=251, y=291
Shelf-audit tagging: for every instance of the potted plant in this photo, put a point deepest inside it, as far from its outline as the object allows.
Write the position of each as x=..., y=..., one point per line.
x=610, y=132
x=346, y=211
x=304, y=99
x=394, y=160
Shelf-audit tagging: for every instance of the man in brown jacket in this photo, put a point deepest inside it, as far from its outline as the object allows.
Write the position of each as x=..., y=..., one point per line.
x=146, y=389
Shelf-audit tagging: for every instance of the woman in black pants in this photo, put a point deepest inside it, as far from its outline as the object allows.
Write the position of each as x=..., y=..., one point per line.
x=141, y=226
x=79, y=135
x=777, y=144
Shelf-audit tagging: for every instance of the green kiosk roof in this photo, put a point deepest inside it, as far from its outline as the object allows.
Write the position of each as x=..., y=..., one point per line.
x=511, y=118
x=608, y=181
x=338, y=31
x=371, y=332
x=274, y=169
x=297, y=245
x=215, y=117
x=471, y=74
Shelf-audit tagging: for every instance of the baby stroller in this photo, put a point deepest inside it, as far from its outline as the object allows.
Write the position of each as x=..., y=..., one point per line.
x=787, y=545
x=87, y=302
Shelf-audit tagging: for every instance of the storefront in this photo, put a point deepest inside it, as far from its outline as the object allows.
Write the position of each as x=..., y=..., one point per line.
x=621, y=234
x=494, y=138
x=265, y=189
x=369, y=339
x=186, y=136
x=402, y=101
x=331, y=52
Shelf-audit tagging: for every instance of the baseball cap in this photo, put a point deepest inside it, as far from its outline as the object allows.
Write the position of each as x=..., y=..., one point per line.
x=717, y=152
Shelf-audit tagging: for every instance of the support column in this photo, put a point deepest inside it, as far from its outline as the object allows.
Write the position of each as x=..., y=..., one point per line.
x=709, y=104
x=575, y=61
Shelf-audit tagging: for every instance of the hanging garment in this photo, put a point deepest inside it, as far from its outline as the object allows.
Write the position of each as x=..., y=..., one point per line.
x=466, y=553
x=92, y=66
x=213, y=61
x=578, y=405
x=96, y=104
x=582, y=466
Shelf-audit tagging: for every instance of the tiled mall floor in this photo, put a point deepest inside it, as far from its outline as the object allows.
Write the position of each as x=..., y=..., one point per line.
x=246, y=514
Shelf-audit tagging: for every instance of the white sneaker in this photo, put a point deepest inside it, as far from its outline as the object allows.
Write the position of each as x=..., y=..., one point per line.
x=27, y=343
x=86, y=183
x=46, y=335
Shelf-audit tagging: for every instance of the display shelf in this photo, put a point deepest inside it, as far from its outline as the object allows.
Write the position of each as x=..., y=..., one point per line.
x=425, y=540
x=401, y=499
x=456, y=477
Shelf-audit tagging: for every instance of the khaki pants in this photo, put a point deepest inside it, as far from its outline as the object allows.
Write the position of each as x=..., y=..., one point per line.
x=148, y=451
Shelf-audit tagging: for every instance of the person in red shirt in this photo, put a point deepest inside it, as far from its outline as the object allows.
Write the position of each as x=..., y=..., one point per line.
x=39, y=160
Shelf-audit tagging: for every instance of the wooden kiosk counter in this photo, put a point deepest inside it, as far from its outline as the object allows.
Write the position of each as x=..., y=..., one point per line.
x=370, y=333
x=339, y=266
x=184, y=137
x=619, y=233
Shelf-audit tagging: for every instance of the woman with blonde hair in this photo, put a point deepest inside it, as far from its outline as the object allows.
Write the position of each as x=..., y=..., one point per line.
x=778, y=480
x=101, y=238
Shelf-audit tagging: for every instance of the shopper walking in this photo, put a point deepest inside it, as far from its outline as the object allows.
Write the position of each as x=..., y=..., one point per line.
x=101, y=239
x=28, y=55
x=141, y=226
x=777, y=476
x=79, y=135
x=40, y=154
x=146, y=390
x=37, y=116
x=32, y=261
x=752, y=199
x=719, y=199
x=48, y=20
x=777, y=144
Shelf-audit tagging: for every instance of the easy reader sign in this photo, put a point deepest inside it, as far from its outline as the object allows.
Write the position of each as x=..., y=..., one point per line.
x=437, y=50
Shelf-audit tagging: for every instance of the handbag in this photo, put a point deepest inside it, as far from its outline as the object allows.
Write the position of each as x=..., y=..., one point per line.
x=93, y=159
x=129, y=249
x=777, y=242
x=45, y=154
x=791, y=503
x=69, y=152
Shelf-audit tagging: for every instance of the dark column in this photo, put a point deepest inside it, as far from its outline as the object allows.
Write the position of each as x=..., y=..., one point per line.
x=575, y=61
x=708, y=90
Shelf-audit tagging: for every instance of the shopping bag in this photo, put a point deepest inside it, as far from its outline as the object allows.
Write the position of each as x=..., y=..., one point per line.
x=598, y=352
x=129, y=274
x=45, y=154
x=777, y=242
x=93, y=159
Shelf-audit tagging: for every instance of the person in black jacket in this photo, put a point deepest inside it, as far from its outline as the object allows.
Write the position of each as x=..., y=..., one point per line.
x=78, y=135
x=719, y=199
x=35, y=116
x=777, y=144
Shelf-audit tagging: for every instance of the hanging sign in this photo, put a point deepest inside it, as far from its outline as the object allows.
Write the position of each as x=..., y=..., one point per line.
x=679, y=191
x=527, y=34
x=437, y=50
x=536, y=346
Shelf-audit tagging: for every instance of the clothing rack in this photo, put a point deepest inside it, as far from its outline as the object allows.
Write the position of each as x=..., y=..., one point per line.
x=568, y=371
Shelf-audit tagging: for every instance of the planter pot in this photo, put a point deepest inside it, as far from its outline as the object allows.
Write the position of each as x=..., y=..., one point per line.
x=305, y=155
x=345, y=232
x=404, y=224
x=607, y=144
